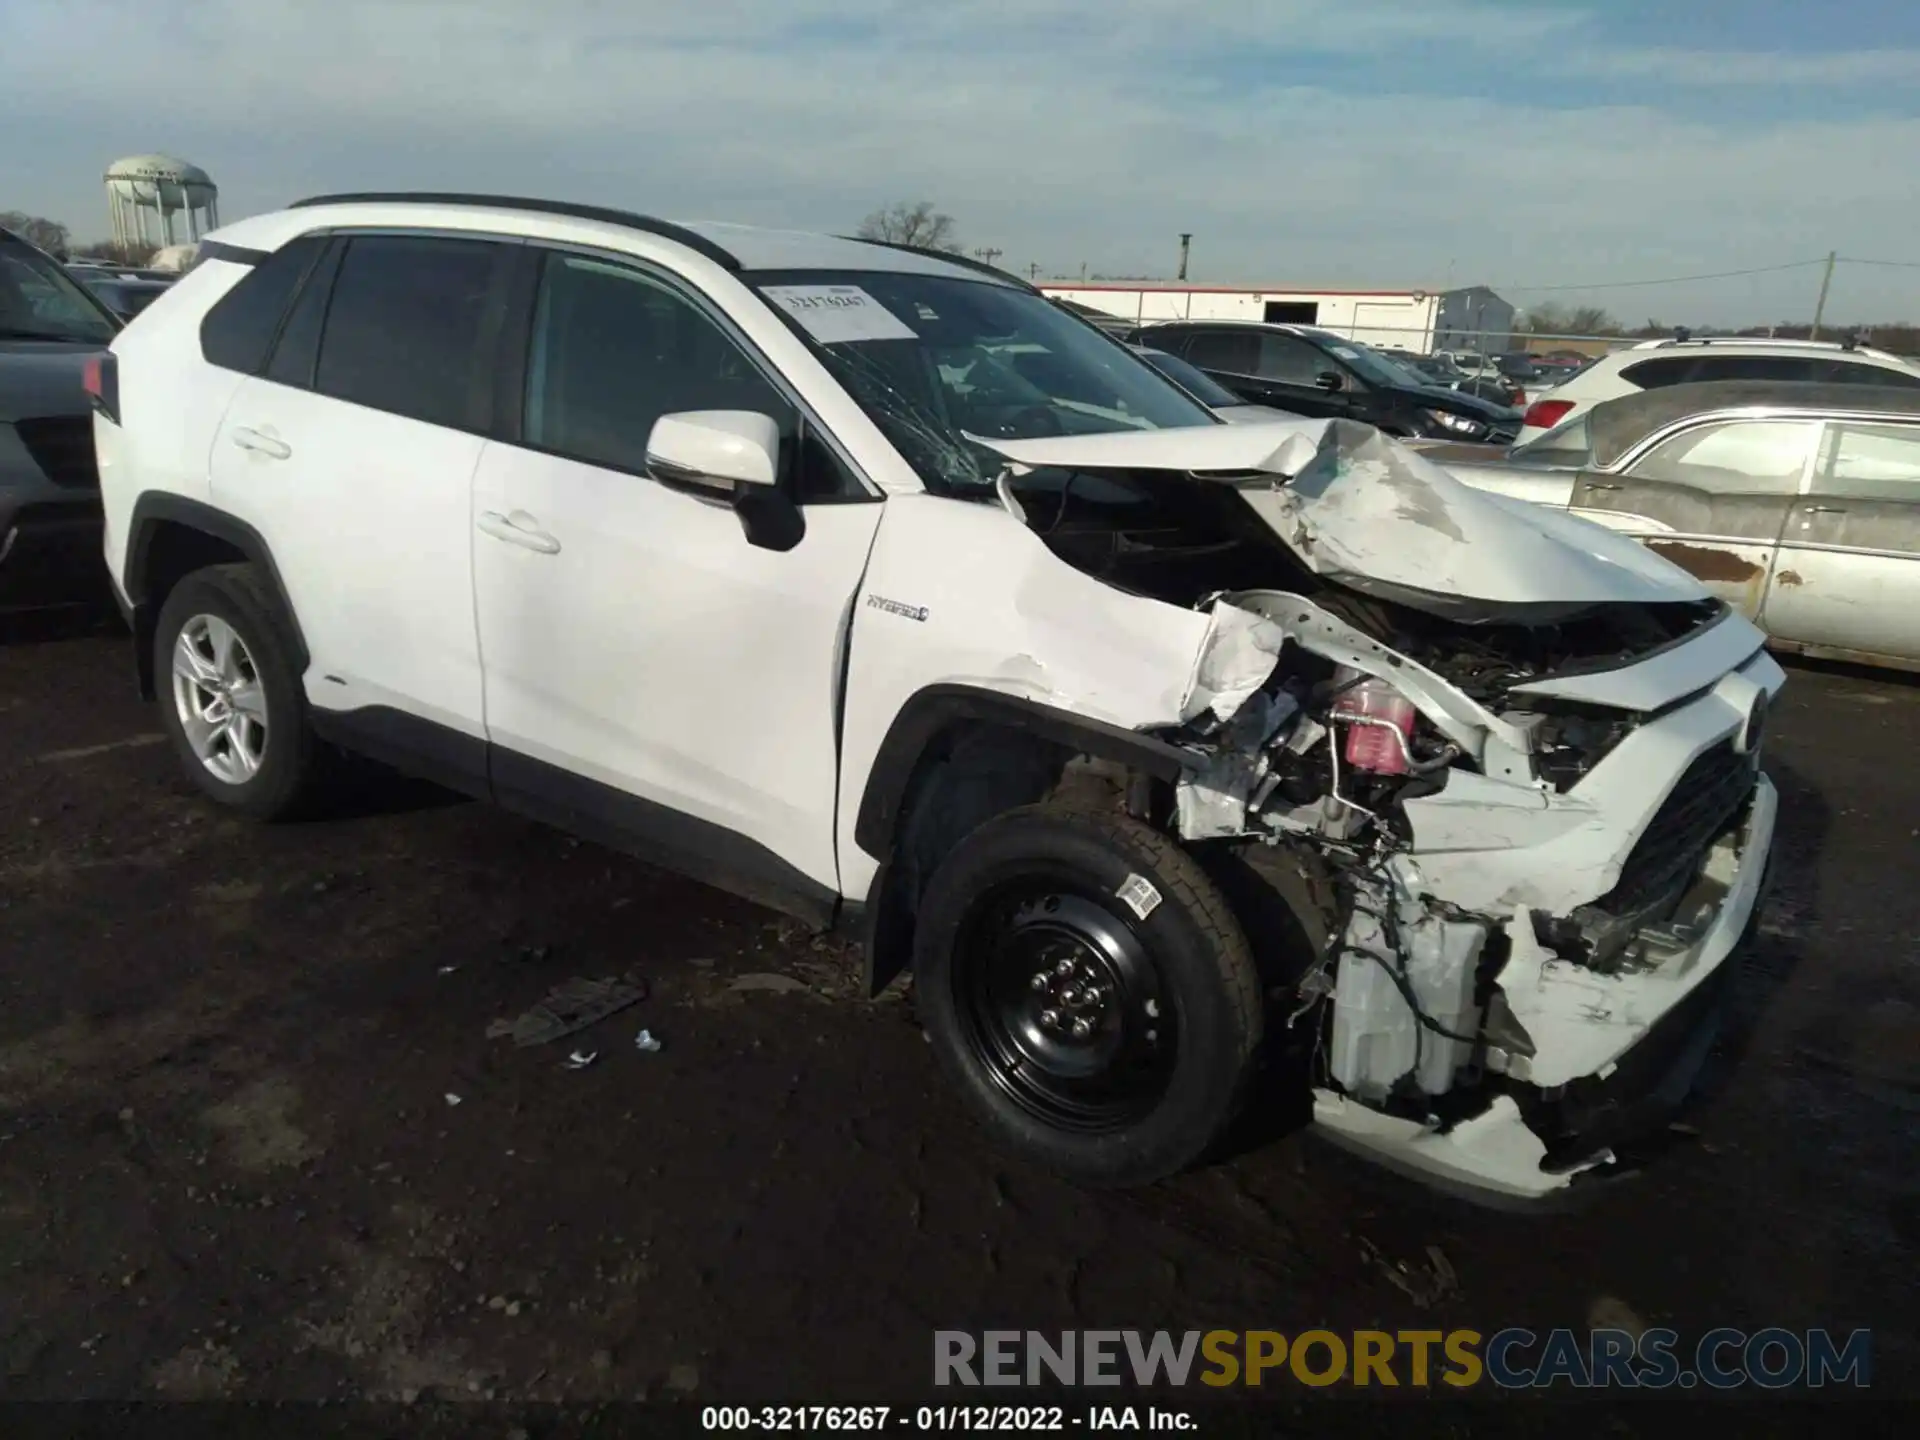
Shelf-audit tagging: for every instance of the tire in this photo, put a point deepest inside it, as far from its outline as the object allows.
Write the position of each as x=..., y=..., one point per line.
x=271, y=730
x=1171, y=1000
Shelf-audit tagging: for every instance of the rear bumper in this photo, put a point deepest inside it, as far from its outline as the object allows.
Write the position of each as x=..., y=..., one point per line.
x=1644, y=1035
x=50, y=553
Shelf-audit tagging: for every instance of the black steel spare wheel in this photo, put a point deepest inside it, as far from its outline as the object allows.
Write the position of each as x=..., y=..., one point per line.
x=1090, y=990
x=1062, y=1004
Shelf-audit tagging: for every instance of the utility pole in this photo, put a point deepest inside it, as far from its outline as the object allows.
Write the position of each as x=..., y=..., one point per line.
x=1186, y=243
x=1033, y=270
x=988, y=254
x=1820, y=306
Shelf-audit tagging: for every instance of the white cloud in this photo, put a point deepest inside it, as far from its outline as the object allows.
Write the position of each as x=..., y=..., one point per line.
x=1057, y=130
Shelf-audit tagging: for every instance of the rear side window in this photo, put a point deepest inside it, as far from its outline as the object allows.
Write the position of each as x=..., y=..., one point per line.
x=299, y=344
x=404, y=327
x=1655, y=374
x=1796, y=368
x=1235, y=352
x=238, y=331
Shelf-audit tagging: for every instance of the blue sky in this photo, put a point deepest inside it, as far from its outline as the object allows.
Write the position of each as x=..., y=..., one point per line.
x=1340, y=143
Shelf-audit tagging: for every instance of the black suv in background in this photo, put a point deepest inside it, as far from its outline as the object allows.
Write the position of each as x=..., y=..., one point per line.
x=49, y=486
x=1315, y=372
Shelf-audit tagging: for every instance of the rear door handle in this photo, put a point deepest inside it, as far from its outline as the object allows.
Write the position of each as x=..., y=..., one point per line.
x=1823, y=509
x=1595, y=485
x=520, y=529
x=250, y=439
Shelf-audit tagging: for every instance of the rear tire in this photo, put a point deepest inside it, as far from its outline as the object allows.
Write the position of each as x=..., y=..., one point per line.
x=230, y=695
x=1112, y=1047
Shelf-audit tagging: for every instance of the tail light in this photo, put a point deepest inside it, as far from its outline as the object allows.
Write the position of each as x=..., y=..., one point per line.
x=1379, y=725
x=1545, y=414
x=100, y=378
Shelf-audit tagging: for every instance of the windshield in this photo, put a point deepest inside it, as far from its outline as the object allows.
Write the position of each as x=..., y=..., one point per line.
x=933, y=359
x=1190, y=378
x=40, y=301
x=1566, y=444
x=1374, y=366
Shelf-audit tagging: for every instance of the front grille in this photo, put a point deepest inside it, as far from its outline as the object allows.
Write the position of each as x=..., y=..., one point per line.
x=62, y=445
x=1701, y=806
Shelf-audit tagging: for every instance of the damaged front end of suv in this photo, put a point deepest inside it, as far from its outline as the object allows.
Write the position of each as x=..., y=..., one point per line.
x=1518, y=754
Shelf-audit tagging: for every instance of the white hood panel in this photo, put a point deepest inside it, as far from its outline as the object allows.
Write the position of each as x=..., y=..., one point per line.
x=1359, y=507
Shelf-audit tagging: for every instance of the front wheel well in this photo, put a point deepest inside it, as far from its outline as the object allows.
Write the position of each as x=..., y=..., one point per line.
x=970, y=772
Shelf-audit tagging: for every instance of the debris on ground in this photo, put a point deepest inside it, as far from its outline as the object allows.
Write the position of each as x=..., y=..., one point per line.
x=1422, y=1284
x=568, y=1008
x=580, y=1059
x=645, y=1041
x=447, y=969
x=768, y=982
x=452, y=1099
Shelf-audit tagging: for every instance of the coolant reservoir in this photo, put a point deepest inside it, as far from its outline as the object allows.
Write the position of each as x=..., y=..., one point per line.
x=1375, y=747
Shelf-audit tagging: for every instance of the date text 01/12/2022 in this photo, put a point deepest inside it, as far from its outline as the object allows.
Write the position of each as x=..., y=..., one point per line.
x=996, y=1419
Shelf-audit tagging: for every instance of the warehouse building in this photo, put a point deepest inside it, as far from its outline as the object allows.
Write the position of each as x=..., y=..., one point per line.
x=1418, y=320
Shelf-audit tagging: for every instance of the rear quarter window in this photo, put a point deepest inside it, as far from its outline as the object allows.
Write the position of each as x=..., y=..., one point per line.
x=238, y=332
x=1656, y=374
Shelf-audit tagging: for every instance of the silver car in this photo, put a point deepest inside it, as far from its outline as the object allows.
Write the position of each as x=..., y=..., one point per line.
x=1798, y=504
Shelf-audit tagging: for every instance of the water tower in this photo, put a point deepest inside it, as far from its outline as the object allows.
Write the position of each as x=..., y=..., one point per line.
x=157, y=200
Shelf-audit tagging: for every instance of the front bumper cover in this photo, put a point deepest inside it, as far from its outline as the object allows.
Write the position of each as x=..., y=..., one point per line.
x=1530, y=1145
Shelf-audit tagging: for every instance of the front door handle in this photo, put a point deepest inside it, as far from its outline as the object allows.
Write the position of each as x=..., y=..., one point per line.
x=1823, y=509
x=1596, y=485
x=261, y=444
x=520, y=529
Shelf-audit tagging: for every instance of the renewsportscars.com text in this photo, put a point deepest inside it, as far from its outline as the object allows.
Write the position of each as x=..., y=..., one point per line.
x=1513, y=1358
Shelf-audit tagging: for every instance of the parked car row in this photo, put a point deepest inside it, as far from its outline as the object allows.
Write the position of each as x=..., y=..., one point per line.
x=1797, y=503
x=50, y=325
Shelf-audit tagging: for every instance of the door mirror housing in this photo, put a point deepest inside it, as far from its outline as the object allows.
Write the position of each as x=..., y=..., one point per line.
x=724, y=450
x=1330, y=381
x=730, y=455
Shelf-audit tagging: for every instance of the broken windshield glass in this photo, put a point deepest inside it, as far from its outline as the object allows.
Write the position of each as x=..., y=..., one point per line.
x=935, y=359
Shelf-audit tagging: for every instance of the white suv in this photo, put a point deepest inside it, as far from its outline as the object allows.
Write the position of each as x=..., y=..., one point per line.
x=1654, y=364
x=1143, y=740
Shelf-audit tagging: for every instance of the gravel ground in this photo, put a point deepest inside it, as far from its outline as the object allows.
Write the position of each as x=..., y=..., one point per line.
x=256, y=1142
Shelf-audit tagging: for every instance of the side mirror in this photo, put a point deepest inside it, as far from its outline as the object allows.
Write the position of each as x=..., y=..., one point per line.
x=1330, y=381
x=730, y=455
x=714, y=449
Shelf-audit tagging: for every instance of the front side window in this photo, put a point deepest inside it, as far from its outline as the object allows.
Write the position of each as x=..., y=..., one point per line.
x=936, y=359
x=404, y=325
x=1870, y=462
x=614, y=350
x=1195, y=381
x=1289, y=361
x=1739, y=457
x=40, y=301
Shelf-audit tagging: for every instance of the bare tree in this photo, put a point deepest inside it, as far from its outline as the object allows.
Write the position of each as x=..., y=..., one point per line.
x=1551, y=319
x=50, y=235
x=914, y=222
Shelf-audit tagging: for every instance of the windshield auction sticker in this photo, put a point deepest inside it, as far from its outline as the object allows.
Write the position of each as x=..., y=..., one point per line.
x=835, y=314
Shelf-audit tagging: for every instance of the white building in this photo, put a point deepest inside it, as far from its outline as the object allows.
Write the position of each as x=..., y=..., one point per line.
x=1418, y=320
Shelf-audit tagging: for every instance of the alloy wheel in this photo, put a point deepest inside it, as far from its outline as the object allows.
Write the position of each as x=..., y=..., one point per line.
x=218, y=695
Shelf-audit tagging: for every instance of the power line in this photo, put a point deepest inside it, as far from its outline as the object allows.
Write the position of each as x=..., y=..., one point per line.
x=1892, y=264
x=1671, y=280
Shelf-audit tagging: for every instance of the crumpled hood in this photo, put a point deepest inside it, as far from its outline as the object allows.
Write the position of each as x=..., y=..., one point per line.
x=1364, y=510
x=41, y=378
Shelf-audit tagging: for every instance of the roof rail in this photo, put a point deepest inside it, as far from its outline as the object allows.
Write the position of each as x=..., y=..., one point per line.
x=665, y=229
x=965, y=262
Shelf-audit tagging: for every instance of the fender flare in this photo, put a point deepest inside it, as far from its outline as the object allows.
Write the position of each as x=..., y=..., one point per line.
x=155, y=509
x=929, y=712
x=884, y=919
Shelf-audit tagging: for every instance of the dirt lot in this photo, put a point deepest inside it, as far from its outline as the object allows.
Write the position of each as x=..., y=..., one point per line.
x=232, y=1162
